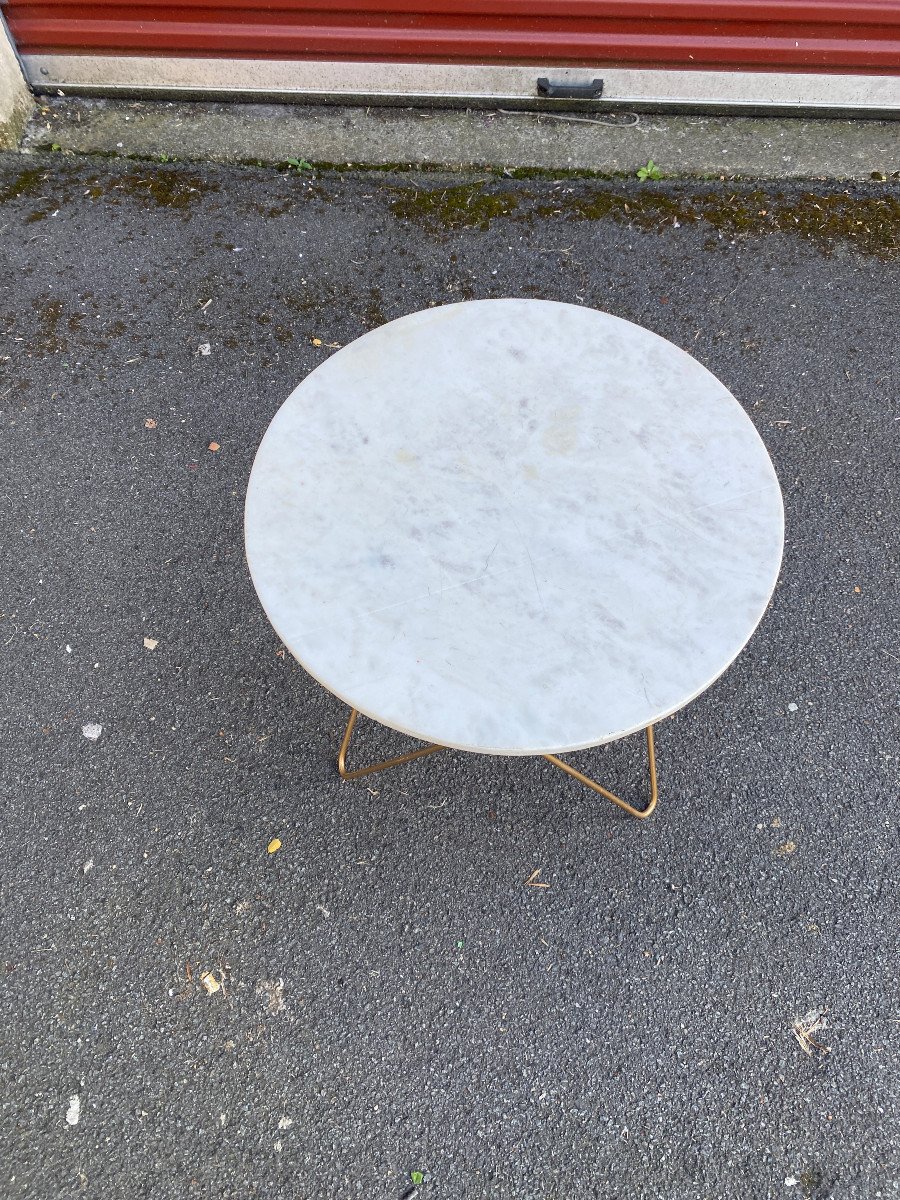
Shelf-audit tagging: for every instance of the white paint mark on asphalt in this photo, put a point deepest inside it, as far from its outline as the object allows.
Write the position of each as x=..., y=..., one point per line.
x=272, y=992
x=73, y=1112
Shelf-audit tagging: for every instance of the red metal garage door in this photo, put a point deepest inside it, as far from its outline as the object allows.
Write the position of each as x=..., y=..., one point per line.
x=731, y=54
x=805, y=34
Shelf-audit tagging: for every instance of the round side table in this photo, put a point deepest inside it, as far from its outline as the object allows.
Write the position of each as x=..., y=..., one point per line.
x=513, y=527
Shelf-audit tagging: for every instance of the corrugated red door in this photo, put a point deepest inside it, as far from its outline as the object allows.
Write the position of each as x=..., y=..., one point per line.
x=802, y=35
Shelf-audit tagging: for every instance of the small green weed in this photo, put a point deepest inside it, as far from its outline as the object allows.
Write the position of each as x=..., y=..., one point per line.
x=651, y=171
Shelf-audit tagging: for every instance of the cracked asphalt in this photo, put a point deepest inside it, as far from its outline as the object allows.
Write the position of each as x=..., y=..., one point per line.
x=384, y=994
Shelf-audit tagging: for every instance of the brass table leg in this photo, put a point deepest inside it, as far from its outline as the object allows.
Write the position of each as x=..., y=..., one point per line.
x=381, y=766
x=640, y=813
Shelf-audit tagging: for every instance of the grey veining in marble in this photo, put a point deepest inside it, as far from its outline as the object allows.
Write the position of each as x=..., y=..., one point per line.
x=513, y=526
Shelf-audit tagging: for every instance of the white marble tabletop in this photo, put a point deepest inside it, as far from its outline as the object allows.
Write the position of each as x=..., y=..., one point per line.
x=513, y=526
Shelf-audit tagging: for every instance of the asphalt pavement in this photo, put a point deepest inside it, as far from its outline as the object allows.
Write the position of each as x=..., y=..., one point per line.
x=385, y=1002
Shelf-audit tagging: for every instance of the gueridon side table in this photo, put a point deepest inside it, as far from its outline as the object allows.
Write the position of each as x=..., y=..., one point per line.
x=513, y=527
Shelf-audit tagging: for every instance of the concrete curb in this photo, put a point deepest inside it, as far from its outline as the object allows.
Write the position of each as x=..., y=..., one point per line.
x=605, y=145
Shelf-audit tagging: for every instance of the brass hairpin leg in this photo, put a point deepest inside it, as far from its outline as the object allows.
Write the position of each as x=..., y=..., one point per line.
x=382, y=766
x=361, y=772
x=640, y=813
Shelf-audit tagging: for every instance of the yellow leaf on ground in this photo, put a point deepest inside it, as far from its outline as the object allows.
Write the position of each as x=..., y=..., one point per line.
x=274, y=845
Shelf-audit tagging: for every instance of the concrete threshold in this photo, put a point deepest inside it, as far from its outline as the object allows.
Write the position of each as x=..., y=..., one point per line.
x=603, y=144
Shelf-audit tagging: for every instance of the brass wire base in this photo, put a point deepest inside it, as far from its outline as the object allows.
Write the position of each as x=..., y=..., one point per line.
x=381, y=766
x=361, y=772
x=641, y=813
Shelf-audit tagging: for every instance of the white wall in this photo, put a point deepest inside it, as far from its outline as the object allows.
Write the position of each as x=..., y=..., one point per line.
x=15, y=98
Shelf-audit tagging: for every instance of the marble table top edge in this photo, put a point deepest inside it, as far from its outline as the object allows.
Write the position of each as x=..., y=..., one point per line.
x=408, y=730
